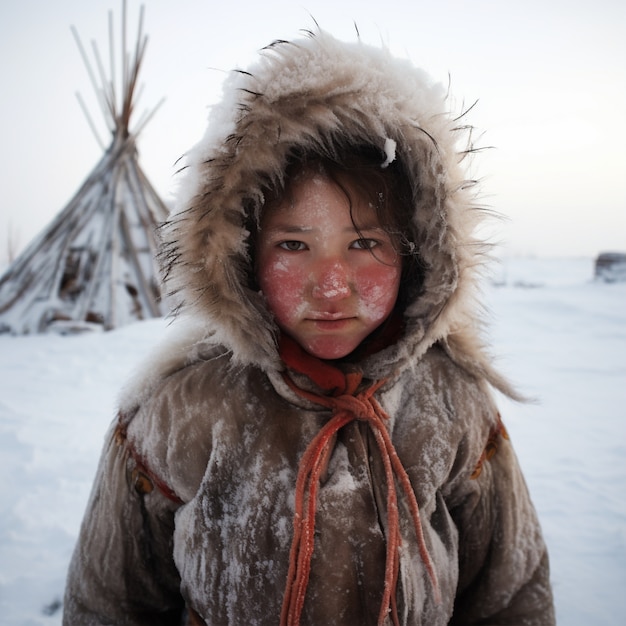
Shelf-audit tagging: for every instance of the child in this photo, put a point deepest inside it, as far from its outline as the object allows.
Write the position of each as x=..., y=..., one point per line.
x=321, y=447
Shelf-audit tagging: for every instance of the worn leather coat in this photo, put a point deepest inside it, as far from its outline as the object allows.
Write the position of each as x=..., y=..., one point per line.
x=191, y=514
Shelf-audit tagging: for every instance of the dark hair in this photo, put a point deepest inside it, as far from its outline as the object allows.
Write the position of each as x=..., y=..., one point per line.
x=386, y=188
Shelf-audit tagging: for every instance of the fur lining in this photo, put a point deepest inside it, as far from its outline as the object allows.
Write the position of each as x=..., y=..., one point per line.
x=312, y=94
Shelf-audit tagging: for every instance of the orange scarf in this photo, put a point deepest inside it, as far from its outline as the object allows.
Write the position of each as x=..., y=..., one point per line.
x=346, y=404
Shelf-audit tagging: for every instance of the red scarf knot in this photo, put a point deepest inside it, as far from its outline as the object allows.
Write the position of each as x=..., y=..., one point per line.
x=346, y=405
x=357, y=406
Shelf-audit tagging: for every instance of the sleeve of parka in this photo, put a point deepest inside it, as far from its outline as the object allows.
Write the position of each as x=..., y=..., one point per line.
x=503, y=561
x=122, y=570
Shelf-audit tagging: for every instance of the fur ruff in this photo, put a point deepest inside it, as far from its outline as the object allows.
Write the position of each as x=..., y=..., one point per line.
x=312, y=94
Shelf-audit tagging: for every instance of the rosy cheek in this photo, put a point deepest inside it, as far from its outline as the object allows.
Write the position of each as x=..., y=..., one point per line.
x=283, y=288
x=377, y=287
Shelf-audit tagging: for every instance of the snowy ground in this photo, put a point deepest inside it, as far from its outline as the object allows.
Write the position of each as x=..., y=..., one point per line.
x=560, y=336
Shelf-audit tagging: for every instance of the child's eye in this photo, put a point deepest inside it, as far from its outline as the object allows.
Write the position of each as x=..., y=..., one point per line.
x=292, y=245
x=364, y=244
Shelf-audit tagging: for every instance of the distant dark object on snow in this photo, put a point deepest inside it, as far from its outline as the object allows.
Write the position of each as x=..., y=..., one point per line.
x=611, y=267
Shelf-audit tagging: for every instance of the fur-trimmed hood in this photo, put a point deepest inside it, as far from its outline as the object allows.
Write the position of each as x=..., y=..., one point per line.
x=310, y=95
x=246, y=493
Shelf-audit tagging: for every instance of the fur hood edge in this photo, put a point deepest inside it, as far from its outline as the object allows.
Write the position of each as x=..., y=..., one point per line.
x=311, y=94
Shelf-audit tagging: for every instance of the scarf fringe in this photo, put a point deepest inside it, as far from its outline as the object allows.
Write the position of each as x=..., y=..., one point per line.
x=347, y=407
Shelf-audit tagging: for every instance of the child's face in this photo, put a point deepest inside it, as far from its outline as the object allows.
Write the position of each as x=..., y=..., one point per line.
x=327, y=285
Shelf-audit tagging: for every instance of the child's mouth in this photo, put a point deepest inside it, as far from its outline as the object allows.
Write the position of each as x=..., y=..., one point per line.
x=331, y=322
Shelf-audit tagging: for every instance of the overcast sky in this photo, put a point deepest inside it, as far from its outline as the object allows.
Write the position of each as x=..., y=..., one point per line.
x=549, y=75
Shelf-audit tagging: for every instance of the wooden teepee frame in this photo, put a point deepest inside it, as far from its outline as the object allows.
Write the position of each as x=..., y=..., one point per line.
x=95, y=263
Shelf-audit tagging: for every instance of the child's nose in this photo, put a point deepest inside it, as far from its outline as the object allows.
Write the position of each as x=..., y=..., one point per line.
x=331, y=282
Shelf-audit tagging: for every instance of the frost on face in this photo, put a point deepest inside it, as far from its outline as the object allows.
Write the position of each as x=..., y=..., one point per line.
x=378, y=289
x=332, y=284
x=376, y=306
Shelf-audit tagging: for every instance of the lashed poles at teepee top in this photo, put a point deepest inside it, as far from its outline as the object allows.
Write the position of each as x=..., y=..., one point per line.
x=116, y=116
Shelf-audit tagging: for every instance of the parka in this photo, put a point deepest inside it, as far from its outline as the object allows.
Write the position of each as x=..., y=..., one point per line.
x=195, y=503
